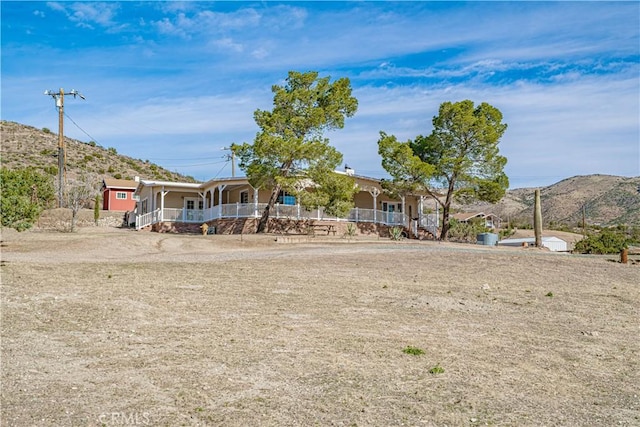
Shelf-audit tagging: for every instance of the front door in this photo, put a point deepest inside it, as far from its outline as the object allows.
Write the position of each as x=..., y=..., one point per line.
x=389, y=208
x=193, y=207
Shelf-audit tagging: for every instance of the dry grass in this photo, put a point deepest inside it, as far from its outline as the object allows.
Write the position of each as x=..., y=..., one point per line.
x=115, y=327
x=25, y=146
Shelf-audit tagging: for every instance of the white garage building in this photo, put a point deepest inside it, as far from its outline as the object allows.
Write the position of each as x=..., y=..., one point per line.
x=552, y=243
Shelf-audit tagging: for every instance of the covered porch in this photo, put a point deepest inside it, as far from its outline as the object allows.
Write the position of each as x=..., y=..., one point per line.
x=253, y=210
x=235, y=198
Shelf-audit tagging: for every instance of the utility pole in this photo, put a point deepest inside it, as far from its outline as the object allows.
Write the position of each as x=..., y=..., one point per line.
x=62, y=154
x=232, y=157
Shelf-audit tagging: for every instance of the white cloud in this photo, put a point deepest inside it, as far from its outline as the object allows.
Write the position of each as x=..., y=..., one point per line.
x=227, y=43
x=86, y=14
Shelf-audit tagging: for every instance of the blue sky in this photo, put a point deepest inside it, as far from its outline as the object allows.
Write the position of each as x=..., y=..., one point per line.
x=176, y=82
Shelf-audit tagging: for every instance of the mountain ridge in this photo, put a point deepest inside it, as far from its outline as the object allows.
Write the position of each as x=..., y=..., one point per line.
x=603, y=200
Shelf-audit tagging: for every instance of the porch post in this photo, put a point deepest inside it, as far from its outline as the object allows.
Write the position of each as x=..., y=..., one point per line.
x=153, y=200
x=211, y=190
x=204, y=204
x=404, y=210
x=375, y=192
x=220, y=190
x=255, y=202
x=162, y=194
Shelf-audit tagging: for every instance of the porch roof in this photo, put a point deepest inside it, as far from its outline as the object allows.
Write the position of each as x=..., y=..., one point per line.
x=466, y=216
x=231, y=182
x=167, y=184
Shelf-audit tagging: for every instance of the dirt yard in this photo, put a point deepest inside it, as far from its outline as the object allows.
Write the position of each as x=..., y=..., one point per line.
x=110, y=327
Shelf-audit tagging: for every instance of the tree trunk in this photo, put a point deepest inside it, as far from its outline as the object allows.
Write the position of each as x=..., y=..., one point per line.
x=446, y=208
x=264, y=219
x=537, y=219
x=445, y=222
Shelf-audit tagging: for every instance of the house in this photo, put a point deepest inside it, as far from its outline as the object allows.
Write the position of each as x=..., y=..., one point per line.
x=118, y=194
x=490, y=220
x=167, y=205
x=552, y=243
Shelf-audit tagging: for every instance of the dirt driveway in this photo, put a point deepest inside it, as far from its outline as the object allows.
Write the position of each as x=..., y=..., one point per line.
x=113, y=327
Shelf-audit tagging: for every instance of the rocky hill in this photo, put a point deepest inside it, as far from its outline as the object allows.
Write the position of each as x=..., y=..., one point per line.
x=605, y=200
x=24, y=146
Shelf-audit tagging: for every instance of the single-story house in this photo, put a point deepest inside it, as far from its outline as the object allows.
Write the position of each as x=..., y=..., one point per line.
x=118, y=194
x=490, y=220
x=552, y=243
x=162, y=202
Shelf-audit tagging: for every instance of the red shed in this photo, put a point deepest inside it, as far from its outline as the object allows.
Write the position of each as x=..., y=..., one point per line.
x=117, y=194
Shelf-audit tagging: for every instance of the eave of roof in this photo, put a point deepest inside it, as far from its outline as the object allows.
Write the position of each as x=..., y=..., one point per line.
x=119, y=183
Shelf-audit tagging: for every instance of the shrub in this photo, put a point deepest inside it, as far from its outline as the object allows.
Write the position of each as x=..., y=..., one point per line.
x=466, y=231
x=351, y=230
x=51, y=170
x=437, y=369
x=96, y=209
x=414, y=351
x=506, y=232
x=608, y=241
x=25, y=193
x=46, y=130
x=521, y=223
x=396, y=233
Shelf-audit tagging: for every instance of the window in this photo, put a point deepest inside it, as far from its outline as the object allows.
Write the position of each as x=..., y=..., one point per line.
x=191, y=204
x=121, y=195
x=285, y=198
x=244, y=197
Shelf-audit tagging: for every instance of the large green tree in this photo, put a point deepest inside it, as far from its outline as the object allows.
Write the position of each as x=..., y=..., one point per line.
x=290, y=147
x=459, y=160
x=24, y=193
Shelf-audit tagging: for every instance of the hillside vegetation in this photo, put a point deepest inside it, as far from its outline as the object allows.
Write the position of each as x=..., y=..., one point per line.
x=24, y=146
x=607, y=200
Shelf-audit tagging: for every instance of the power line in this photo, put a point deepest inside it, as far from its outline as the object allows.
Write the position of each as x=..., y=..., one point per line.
x=198, y=164
x=221, y=169
x=78, y=126
x=194, y=158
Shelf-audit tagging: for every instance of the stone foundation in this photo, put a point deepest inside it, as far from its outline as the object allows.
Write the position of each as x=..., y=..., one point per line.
x=285, y=227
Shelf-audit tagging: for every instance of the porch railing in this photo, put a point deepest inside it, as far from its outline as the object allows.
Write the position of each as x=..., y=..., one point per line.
x=430, y=223
x=251, y=210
